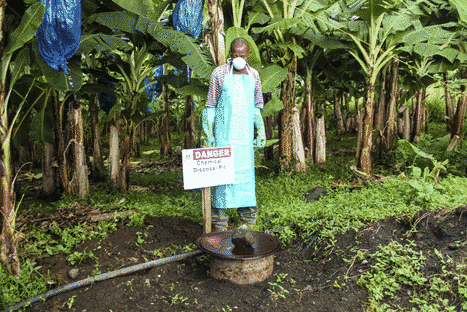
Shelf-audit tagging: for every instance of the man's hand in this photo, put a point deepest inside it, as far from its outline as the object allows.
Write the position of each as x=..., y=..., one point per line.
x=261, y=133
x=259, y=142
x=208, y=117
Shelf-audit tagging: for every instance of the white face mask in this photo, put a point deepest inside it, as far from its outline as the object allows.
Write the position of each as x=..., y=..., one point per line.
x=239, y=63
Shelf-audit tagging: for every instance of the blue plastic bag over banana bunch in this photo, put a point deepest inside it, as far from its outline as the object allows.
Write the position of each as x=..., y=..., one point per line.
x=59, y=34
x=106, y=99
x=187, y=16
x=154, y=90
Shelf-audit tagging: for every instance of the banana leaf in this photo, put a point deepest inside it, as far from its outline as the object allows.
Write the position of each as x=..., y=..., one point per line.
x=199, y=61
x=27, y=29
x=139, y=7
x=41, y=125
x=17, y=66
x=272, y=107
x=271, y=77
x=101, y=42
x=461, y=6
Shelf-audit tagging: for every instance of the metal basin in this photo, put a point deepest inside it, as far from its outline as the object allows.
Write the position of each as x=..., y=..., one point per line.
x=240, y=265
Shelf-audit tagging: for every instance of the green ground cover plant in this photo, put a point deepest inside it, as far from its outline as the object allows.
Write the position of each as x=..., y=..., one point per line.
x=398, y=269
x=28, y=285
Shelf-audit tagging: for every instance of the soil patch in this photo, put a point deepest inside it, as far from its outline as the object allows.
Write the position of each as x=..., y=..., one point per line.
x=321, y=278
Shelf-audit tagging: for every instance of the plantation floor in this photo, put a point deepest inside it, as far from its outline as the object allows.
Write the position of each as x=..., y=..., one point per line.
x=319, y=279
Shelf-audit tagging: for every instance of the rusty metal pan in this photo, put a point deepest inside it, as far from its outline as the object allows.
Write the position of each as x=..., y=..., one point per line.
x=220, y=244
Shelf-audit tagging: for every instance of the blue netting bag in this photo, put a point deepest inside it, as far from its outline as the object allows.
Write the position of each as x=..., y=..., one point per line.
x=188, y=16
x=106, y=100
x=155, y=88
x=59, y=34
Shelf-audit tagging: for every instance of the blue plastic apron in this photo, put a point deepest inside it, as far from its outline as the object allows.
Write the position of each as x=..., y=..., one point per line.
x=234, y=126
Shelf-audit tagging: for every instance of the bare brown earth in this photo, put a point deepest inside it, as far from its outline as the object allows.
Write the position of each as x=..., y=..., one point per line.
x=314, y=279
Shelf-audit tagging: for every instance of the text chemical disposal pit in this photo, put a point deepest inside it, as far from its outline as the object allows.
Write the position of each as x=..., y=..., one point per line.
x=205, y=167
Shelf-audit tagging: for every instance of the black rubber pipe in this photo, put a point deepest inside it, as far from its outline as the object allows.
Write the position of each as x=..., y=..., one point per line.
x=104, y=276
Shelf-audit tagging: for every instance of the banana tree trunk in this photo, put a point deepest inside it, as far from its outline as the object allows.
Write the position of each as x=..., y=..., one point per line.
x=380, y=113
x=60, y=119
x=366, y=131
x=134, y=145
x=448, y=101
x=268, y=126
x=424, y=123
x=124, y=173
x=338, y=114
x=310, y=118
x=166, y=148
x=288, y=99
x=346, y=105
x=404, y=122
x=8, y=238
x=459, y=119
x=216, y=39
x=359, y=126
x=48, y=170
x=418, y=118
x=189, y=126
x=98, y=170
x=320, y=144
x=297, y=147
x=80, y=175
x=114, y=152
x=391, y=125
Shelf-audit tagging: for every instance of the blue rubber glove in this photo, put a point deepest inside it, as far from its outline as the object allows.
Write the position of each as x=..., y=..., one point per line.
x=260, y=140
x=209, y=114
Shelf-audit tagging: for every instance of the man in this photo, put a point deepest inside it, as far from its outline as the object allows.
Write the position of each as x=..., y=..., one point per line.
x=233, y=111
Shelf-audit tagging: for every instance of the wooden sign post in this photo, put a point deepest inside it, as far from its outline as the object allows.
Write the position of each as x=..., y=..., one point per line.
x=207, y=209
x=204, y=168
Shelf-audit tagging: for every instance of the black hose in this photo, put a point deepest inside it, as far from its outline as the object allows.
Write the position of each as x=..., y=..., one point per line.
x=277, y=229
x=104, y=276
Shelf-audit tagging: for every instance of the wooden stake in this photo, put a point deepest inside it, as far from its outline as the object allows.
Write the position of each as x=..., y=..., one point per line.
x=207, y=209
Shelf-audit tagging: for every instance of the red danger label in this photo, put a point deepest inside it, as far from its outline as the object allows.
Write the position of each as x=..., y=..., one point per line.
x=209, y=153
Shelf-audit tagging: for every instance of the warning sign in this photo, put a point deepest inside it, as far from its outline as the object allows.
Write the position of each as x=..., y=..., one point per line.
x=205, y=167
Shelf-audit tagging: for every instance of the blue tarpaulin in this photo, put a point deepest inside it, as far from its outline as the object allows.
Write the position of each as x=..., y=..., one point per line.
x=59, y=34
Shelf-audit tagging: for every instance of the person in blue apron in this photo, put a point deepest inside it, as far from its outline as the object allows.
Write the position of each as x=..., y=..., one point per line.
x=233, y=111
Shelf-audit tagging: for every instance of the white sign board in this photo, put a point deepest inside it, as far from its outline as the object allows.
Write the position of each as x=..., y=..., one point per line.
x=206, y=167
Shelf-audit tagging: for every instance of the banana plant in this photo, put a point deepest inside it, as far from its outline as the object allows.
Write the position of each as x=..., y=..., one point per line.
x=443, y=42
x=376, y=35
x=293, y=33
x=281, y=18
x=132, y=69
x=26, y=30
